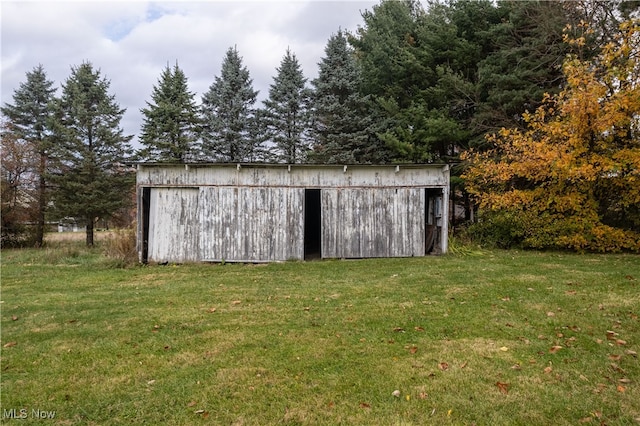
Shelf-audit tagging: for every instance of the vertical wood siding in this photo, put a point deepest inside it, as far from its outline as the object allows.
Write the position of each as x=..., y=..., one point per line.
x=251, y=224
x=360, y=222
x=174, y=225
x=255, y=213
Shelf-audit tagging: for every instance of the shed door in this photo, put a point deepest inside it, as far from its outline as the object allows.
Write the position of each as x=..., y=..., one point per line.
x=373, y=222
x=174, y=230
x=245, y=224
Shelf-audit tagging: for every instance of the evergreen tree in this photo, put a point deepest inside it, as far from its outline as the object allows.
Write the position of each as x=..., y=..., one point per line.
x=342, y=126
x=409, y=61
x=28, y=116
x=170, y=127
x=525, y=63
x=229, y=119
x=287, y=111
x=88, y=150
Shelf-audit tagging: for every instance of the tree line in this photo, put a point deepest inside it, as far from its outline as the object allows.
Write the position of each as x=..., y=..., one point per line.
x=415, y=83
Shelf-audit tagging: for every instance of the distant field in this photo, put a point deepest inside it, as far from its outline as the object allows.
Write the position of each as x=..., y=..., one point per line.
x=486, y=338
x=75, y=236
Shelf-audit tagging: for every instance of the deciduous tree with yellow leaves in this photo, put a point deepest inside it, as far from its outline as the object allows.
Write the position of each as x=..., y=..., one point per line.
x=572, y=178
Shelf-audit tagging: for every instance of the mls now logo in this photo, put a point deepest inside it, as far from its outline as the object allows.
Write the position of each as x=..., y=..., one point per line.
x=23, y=413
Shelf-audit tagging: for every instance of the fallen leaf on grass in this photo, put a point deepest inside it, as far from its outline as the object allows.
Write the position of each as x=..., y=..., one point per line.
x=413, y=349
x=548, y=370
x=419, y=328
x=422, y=395
x=212, y=310
x=611, y=335
x=10, y=344
x=551, y=314
x=14, y=318
x=365, y=405
x=503, y=387
x=625, y=380
x=463, y=365
x=621, y=342
x=615, y=357
x=396, y=393
x=399, y=330
x=236, y=302
x=443, y=366
x=632, y=353
x=191, y=404
x=570, y=292
x=554, y=349
x=621, y=389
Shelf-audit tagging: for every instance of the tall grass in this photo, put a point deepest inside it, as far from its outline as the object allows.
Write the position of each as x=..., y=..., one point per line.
x=120, y=247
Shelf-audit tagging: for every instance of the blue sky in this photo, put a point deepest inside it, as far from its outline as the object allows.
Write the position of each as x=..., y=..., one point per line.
x=132, y=41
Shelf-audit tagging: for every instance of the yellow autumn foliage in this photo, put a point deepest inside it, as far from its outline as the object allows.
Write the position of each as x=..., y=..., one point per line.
x=572, y=178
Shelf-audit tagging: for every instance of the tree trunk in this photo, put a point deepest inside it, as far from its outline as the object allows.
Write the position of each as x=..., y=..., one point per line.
x=90, y=233
x=42, y=203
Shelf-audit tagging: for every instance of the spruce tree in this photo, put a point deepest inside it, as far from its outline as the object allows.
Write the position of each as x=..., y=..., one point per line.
x=88, y=151
x=28, y=115
x=287, y=111
x=341, y=127
x=171, y=121
x=229, y=119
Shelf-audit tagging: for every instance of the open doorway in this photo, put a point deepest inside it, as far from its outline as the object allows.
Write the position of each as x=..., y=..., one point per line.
x=312, y=224
x=433, y=221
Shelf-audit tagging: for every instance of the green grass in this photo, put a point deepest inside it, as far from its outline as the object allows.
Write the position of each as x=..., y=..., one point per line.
x=465, y=339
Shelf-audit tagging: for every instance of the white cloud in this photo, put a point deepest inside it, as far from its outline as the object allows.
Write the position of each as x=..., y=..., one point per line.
x=132, y=41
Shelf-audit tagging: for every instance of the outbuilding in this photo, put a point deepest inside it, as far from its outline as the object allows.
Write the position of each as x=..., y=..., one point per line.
x=277, y=212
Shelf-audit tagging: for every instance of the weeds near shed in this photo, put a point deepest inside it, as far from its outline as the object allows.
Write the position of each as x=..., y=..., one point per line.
x=120, y=247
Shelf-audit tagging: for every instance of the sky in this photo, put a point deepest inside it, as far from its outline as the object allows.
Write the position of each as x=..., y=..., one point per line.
x=131, y=42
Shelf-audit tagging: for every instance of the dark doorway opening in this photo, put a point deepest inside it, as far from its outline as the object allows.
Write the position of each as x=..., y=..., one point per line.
x=433, y=220
x=146, y=205
x=312, y=224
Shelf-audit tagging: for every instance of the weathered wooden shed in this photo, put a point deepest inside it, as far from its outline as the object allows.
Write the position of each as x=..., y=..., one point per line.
x=276, y=212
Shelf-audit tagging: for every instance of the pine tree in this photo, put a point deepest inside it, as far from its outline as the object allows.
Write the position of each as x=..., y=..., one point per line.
x=88, y=150
x=287, y=111
x=341, y=123
x=229, y=119
x=28, y=116
x=171, y=121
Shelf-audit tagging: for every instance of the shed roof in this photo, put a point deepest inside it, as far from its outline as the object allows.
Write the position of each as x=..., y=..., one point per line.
x=292, y=175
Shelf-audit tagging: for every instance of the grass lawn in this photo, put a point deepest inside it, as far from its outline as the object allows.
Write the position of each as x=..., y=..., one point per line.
x=487, y=338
